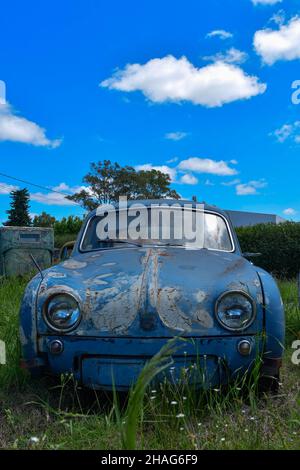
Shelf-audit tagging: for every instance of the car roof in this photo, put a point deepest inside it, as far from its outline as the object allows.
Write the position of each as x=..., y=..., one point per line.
x=181, y=202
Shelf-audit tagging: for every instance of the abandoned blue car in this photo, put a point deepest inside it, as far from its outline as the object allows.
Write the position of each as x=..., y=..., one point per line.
x=105, y=311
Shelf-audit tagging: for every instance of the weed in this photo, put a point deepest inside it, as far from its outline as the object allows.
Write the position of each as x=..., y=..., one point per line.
x=41, y=414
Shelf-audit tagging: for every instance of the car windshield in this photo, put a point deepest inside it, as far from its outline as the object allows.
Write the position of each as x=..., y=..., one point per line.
x=166, y=227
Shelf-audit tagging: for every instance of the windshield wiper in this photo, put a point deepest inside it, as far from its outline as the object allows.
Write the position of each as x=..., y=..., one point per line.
x=116, y=240
x=171, y=244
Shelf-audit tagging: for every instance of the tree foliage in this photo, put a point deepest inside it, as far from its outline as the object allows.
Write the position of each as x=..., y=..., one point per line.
x=18, y=214
x=67, y=225
x=43, y=220
x=108, y=181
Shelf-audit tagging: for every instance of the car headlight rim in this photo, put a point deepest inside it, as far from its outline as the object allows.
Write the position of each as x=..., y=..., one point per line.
x=48, y=321
x=234, y=292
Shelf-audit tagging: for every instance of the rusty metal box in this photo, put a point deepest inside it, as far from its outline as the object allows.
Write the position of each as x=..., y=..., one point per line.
x=18, y=243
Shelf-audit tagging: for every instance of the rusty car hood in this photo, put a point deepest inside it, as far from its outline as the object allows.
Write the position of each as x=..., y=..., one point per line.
x=156, y=292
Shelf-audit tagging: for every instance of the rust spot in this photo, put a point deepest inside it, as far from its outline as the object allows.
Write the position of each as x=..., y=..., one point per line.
x=234, y=266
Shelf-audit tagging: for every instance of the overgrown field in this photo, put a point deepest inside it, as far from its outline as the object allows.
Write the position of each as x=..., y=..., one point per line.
x=43, y=414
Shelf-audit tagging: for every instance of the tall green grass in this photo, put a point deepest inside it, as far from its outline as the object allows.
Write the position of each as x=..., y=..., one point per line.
x=164, y=416
x=11, y=291
x=180, y=403
x=157, y=364
x=289, y=293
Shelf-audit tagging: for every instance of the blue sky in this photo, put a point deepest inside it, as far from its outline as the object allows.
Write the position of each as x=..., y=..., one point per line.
x=199, y=88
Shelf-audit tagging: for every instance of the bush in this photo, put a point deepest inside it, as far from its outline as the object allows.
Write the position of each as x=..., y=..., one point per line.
x=71, y=224
x=278, y=244
x=66, y=230
x=60, y=240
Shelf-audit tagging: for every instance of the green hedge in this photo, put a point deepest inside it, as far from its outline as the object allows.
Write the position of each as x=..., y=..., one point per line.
x=71, y=224
x=278, y=244
x=60, y=240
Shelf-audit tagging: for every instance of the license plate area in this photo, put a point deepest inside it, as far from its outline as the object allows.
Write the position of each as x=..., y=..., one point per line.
x=122, y=373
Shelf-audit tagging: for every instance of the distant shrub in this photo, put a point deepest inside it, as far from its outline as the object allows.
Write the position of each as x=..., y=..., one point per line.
x=278, y=244
x=60, y=240
x=66, y=225
x=65, y=229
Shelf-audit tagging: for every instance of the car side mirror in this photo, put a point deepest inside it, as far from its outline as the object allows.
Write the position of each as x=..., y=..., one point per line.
x=66, y=251
x=64, y=254
x=248, y=254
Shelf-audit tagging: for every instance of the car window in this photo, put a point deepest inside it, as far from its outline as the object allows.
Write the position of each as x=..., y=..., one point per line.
x=216, y=235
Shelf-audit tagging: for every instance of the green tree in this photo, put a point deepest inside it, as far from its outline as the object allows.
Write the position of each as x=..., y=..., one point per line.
x=153, y=184
x=18, y=214
x=108, y=181
x=43, y=220
x=66, y=225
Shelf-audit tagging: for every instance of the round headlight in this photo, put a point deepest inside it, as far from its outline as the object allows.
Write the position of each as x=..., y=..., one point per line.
x=235, y=310
x=62, y=312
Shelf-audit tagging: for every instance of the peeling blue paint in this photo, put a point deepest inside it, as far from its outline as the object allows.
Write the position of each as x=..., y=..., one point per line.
x=133, y=299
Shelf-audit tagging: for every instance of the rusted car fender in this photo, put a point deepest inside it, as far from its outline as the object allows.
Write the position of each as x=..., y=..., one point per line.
x=27, y=329
x=274, y=316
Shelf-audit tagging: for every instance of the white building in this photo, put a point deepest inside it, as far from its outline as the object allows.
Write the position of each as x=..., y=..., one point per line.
x=244, y=219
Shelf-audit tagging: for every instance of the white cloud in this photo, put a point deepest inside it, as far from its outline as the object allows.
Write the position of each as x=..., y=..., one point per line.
x=250, y=188
x=189, y=178
x=172, y=160
x=62, y=187
x=231, y=56
x=177, y=80
x=51, y=199
x=290, y=211
x=207, y=165
x=57, y=198
x=219, y=33
x=18, y=129
x=231, y=183
x=265, y=2
x=7, y=188
x=287, y=131
x=183, y=173
x=279, y=17
x=175, y=135
x=280, y=44
x=283, y=132
x=2, y=92
x=69, y=189
x=163, y=168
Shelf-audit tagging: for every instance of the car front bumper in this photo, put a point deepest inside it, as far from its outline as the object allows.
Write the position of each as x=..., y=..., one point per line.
x=104, y=363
